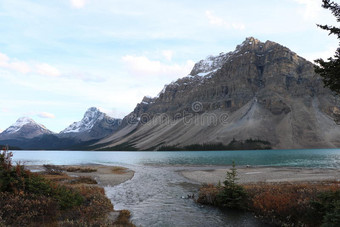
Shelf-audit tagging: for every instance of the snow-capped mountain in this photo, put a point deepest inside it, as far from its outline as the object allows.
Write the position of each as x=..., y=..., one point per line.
x=24, y=127
x=260, y=90
x=95, y=124
x=91, y=116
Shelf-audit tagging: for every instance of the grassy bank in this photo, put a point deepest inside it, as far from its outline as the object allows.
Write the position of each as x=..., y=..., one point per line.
x=53, y=198
x=284, y=204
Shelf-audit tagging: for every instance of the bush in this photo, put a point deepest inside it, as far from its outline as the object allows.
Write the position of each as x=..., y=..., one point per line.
x=26, y=209
x=208, y=194
x=327, y=205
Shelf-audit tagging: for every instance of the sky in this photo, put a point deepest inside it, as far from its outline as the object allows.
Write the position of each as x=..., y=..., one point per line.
x=60, y=57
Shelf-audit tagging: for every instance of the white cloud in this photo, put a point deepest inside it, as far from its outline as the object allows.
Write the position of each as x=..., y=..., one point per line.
x=78, y=3
x=45, y=115
x=167, y=54
x=46, y=69
x=1, y=130
x=15, y=65
x=85, y=76
x=312, y=8
x=220, y=22
x=141, y=66
x=329, y=52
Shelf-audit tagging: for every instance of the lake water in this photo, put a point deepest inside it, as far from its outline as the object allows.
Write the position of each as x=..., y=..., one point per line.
x=321, y=158
x=156, y=195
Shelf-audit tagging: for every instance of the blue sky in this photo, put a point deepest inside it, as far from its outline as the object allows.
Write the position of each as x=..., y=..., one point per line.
x=60, y=57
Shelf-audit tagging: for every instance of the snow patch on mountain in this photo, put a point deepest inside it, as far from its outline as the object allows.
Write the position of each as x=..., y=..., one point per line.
x=91, y=116
x=20, y=123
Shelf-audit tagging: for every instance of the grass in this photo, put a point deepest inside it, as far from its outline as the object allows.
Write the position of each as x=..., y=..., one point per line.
x=287, y=204
x=52, y=198
x=80, y=169
x=83, y=180
x=118, y=170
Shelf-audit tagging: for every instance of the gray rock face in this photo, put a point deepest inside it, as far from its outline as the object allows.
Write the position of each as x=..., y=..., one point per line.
x=262, y=90
x=24, y=128
x=94, y=125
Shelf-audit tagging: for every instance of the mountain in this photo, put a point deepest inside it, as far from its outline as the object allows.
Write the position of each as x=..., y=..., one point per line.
x=261, y=91
x=27, y=134
x=94, y=125
x=24, y=128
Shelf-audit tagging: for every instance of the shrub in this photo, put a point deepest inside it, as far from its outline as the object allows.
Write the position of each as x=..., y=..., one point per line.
x=327, y=205
x=80, y=169
x=26, y=209
x=208, y=194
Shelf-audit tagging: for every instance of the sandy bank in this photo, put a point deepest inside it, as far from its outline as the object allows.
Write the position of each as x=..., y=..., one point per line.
x=104, y=175
x=264, y=174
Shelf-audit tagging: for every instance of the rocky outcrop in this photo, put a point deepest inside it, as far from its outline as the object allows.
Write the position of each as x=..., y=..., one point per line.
x=261, y=90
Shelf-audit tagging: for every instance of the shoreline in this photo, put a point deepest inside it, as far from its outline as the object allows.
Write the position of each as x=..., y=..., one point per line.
x=104, y=175
x=263, y=174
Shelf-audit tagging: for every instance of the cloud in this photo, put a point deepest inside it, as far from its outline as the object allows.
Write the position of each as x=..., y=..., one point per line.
x=25, y=67
x=44, y=69
x=48, y=70
x=219, y=22
x=78, y=3
x=141, y=66
x=15, y=65
x=167, y=54
x=1, y=130
x=85, y=76
x=325, y=54
x=45, y=115
x=312, y=8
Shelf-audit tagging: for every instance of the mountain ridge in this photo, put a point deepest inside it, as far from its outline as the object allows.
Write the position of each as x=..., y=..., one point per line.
x=27, y=134
x=268, y=92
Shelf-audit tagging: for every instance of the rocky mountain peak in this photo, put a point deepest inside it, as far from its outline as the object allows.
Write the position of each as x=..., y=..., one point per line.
x=263, y=89
x=24, y=127
x=91, y=116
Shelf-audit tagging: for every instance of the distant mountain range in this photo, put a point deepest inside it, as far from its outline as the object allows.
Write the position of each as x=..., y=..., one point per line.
x=261, y=93
x=27, y=134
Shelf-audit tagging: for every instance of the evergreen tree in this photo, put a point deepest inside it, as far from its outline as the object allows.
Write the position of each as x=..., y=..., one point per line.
x=232, y=195
x=330, y=70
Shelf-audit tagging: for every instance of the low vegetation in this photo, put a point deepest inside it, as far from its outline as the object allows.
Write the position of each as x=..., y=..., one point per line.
x=54, y=169
x=118, y=170
x=284, y=204
x=52, y=198
x=80, y=169
x=249, y=144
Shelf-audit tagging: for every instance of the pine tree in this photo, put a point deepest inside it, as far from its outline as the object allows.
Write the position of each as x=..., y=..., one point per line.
x=232, y=195
x=330, y=70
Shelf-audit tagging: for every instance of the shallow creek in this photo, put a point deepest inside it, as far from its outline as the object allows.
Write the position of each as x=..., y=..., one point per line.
x=157, y=196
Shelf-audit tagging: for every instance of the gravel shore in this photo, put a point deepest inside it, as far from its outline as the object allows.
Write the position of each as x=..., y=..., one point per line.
x=265, y=174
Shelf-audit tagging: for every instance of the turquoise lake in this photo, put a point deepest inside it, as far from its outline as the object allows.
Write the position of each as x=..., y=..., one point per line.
x=320, y=158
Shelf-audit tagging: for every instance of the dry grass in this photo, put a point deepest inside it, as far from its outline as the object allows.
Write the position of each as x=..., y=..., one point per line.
x=282, y=203
x=83, y=180
x=119, y=170
x=80, y=169
x=123, y=219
